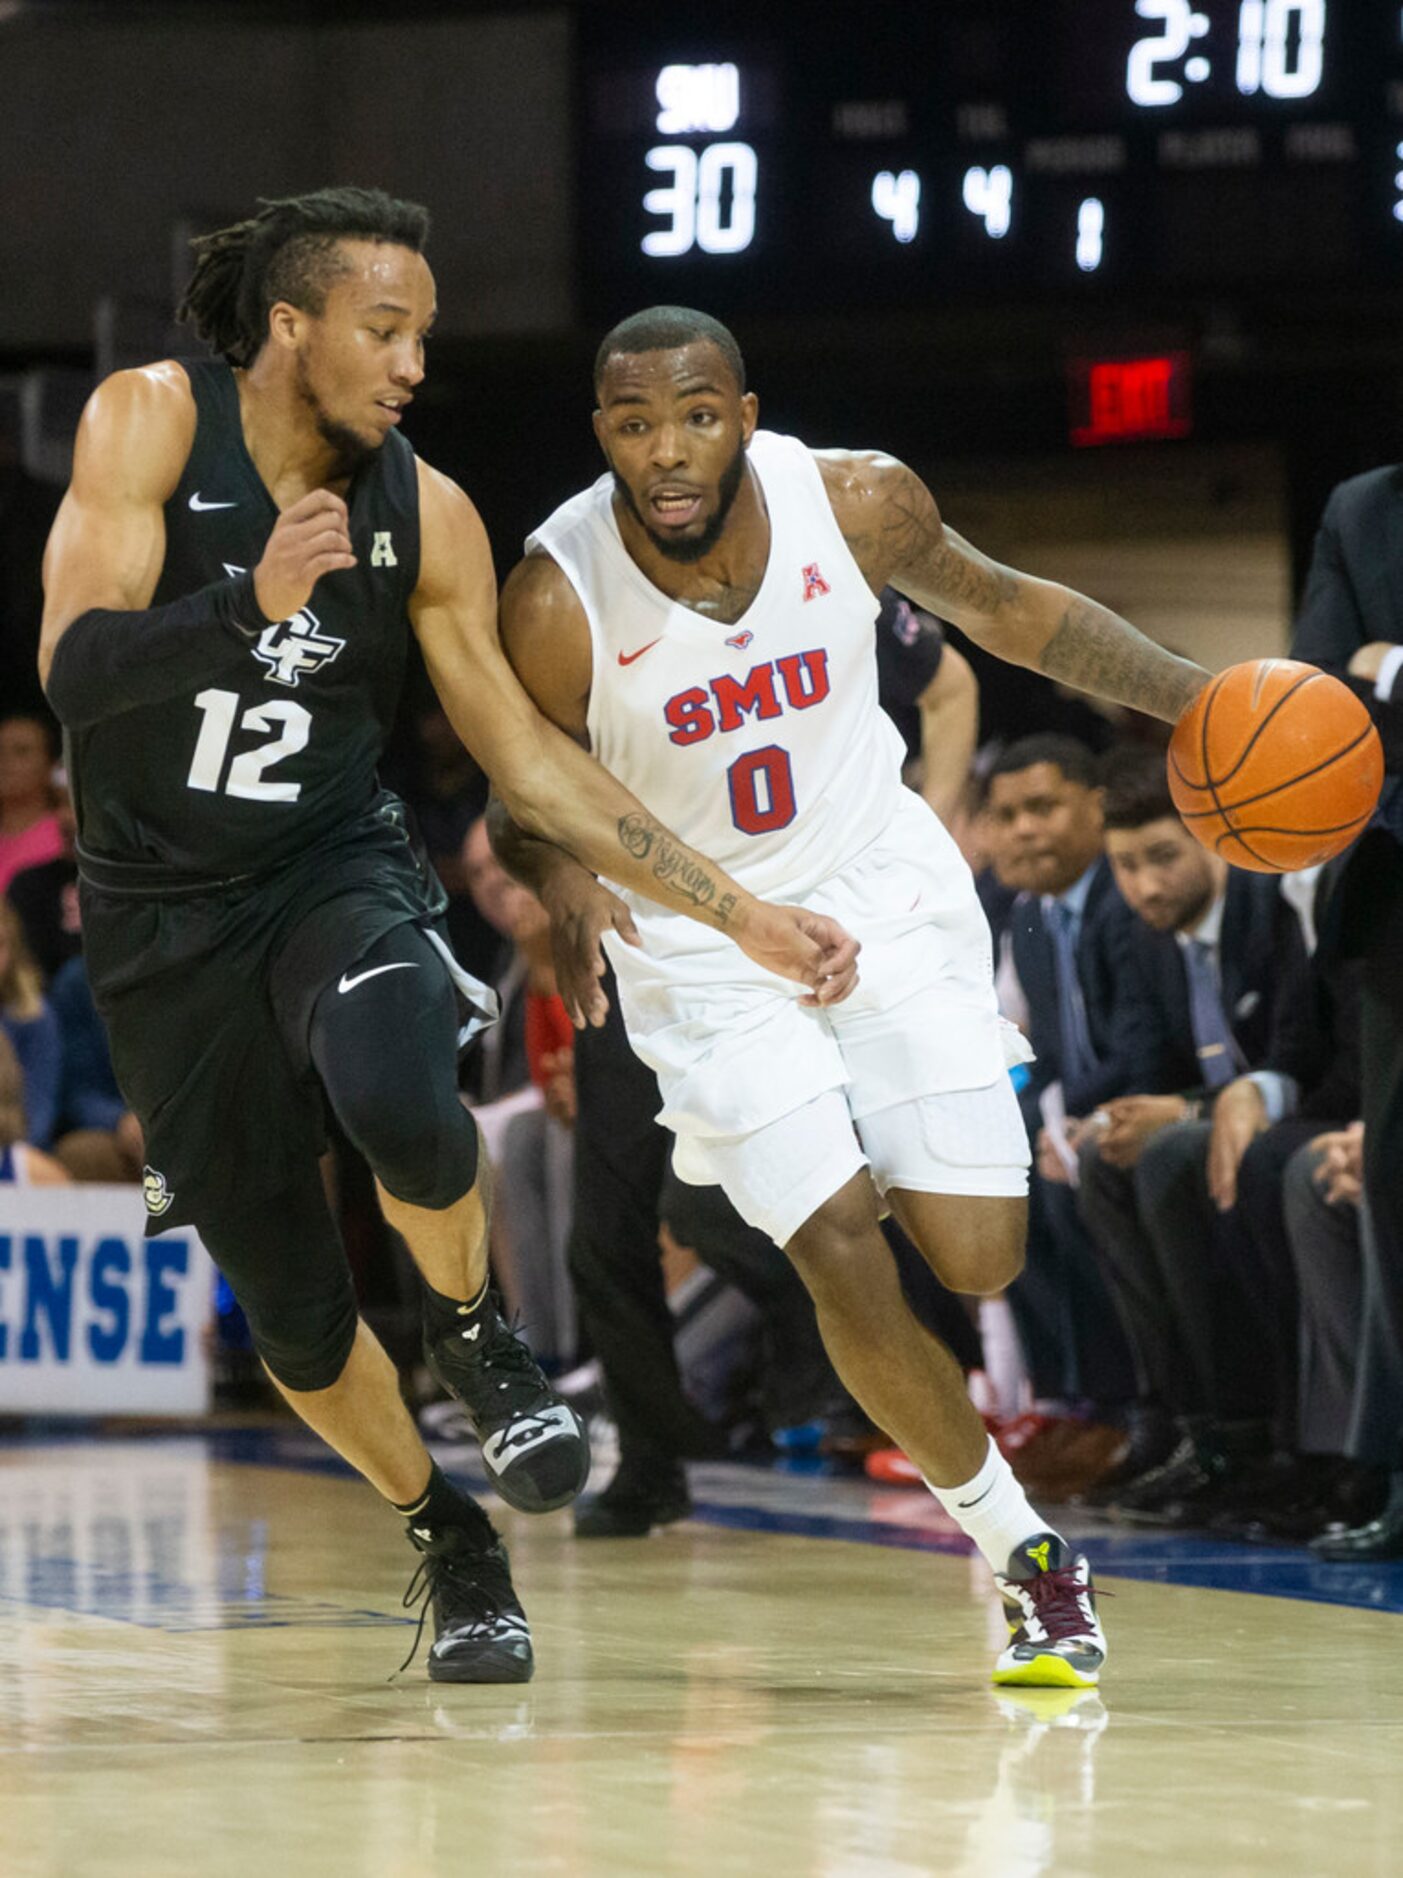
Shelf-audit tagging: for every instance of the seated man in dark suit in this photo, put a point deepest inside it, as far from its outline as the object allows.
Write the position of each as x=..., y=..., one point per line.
x=1072, y=950
x=1350, y=623
x=1322, y=1225
x=1225, y=956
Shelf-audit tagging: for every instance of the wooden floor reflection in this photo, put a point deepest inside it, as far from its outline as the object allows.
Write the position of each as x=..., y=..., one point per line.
x=197, y=1676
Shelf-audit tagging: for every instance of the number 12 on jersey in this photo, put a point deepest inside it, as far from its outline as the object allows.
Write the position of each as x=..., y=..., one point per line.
x=245, y=778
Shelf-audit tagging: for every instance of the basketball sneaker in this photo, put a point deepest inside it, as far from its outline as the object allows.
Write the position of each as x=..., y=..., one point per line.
x=480, y=1629
x=1055, y=1636
x=534, y=1446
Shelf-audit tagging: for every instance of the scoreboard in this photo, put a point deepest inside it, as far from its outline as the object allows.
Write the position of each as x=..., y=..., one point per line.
x=788, y=158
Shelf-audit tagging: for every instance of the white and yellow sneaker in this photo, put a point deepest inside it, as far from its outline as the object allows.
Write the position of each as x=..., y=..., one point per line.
x=1055, y=1637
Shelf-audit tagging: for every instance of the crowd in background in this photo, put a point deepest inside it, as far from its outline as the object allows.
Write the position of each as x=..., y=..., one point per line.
x=1183, y=1347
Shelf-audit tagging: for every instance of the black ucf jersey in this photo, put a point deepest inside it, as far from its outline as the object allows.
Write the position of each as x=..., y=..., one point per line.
x=278, y=750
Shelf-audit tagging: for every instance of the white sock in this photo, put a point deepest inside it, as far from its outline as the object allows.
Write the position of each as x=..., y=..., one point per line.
x=1003, y=1356
x=993, y=1510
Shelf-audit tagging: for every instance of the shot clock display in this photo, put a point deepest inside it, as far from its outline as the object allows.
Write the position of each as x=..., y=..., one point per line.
x=769, y=158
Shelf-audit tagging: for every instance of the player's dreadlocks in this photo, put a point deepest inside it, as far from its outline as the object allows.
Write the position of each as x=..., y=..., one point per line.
x=285, y=252
x=665, y=328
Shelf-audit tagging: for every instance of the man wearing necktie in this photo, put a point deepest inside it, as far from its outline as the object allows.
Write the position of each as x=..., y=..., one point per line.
x=1095, y=1038
x=1225, y=954
x=1219, y=1058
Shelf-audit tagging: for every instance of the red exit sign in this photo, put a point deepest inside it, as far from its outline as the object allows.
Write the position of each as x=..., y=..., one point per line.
x=1121, y=400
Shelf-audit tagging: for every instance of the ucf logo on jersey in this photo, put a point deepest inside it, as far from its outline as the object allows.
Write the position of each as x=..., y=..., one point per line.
x=295, y=646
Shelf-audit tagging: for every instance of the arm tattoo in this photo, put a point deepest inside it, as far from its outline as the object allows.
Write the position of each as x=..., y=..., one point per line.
x=894, y=530
x=686, y=876
x=909, y=524
x=1095, y=650
x=636, y=836
x=909, y=543
x=964, y=582
x=683, y=873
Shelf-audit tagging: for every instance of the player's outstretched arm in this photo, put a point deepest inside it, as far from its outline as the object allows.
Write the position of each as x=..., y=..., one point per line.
x=555, y=790
x=892, y=525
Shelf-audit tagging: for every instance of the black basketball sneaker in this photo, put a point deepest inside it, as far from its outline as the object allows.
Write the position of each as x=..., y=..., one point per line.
x=480, y=1629
x=534, y=1446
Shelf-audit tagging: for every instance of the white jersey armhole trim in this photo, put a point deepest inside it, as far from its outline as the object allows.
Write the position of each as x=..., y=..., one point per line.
x=817, y=483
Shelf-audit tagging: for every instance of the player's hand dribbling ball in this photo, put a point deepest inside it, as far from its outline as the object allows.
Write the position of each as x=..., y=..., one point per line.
x=1275, y=766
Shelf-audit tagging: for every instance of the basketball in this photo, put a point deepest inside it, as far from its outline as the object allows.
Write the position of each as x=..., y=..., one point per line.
x=1275, y=765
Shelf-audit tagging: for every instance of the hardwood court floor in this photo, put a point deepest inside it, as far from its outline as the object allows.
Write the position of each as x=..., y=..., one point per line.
x=198, y=1639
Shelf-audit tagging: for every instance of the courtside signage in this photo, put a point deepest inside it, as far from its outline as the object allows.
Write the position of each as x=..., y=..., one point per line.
x=96, y=1319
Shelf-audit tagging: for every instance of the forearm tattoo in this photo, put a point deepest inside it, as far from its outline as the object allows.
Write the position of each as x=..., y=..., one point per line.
x=941, y=563
x=1095, y=650
x=895, y=533
x=636, y=836
x=674, y=867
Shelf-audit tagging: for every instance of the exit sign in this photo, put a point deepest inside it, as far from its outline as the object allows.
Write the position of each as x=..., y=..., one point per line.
x=1125, y=400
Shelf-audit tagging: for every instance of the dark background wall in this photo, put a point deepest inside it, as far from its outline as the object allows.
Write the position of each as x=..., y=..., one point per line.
x=123, y=127
x=114, y=131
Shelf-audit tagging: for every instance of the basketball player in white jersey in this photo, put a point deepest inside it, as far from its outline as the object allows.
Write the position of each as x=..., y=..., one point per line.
x=703, y=618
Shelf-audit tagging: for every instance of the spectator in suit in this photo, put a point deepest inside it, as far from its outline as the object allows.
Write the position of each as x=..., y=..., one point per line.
x=1308, y=1488
x=1323, y=1225
x=1072, y=952
x=1324, y=1193
x=1225, y=957
x=1349, y=623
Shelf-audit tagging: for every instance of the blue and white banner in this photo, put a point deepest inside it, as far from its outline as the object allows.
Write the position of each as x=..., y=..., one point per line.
x=96, y=1319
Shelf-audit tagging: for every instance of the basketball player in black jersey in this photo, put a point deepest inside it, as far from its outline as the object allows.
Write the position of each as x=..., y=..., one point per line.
x=230, y=584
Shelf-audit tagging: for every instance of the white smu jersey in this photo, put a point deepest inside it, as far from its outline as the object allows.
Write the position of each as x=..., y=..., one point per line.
x=759, y=743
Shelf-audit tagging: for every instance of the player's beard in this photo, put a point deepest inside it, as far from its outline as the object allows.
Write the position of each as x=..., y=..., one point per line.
x=683, y=550
x=351, y=451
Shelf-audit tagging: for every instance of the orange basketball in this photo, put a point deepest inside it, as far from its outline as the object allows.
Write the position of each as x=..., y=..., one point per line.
x=1275, y=765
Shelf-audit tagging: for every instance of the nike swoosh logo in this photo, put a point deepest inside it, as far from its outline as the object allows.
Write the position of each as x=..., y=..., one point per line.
x=200, y=507
x=400, y=965
x=627, y=658
x=965, y=1505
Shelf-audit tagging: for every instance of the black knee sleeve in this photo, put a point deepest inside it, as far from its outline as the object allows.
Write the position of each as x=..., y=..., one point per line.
x=426, y=1154
x=286, y=1266
x=387, y=1055
x=308, y=1351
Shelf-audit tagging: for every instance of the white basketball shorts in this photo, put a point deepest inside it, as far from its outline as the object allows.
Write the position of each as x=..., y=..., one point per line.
x=915, y=1063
